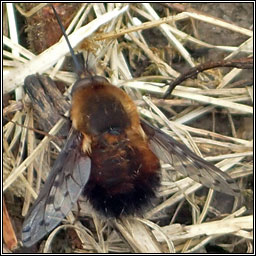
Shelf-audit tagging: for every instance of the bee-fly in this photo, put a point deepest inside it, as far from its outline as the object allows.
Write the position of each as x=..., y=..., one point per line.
x=112, y=157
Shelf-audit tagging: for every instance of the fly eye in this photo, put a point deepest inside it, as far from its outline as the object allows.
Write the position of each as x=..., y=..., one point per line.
x=81, y=83
x=100, y=80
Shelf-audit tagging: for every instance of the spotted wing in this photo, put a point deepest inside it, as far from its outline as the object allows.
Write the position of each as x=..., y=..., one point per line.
x=188, y=163
x=62, y=188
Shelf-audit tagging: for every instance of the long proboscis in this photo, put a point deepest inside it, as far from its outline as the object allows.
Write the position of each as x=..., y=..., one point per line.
x=78, y=67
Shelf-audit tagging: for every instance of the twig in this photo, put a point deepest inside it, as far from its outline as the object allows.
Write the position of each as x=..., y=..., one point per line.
x=243, y=63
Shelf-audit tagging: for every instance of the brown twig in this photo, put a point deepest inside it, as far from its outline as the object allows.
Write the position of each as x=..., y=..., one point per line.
x=243, y=63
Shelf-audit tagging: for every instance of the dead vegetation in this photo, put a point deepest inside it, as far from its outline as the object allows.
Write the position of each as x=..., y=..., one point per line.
x=206, y=113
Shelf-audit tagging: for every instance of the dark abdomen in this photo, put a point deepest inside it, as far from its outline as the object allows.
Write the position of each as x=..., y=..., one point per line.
x=124, y=175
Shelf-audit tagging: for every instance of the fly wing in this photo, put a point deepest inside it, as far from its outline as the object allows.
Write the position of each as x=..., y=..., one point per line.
x=188, y=163
x=68, y=176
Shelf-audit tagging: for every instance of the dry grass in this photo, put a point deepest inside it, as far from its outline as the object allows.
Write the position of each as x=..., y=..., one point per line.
x=233, y=154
